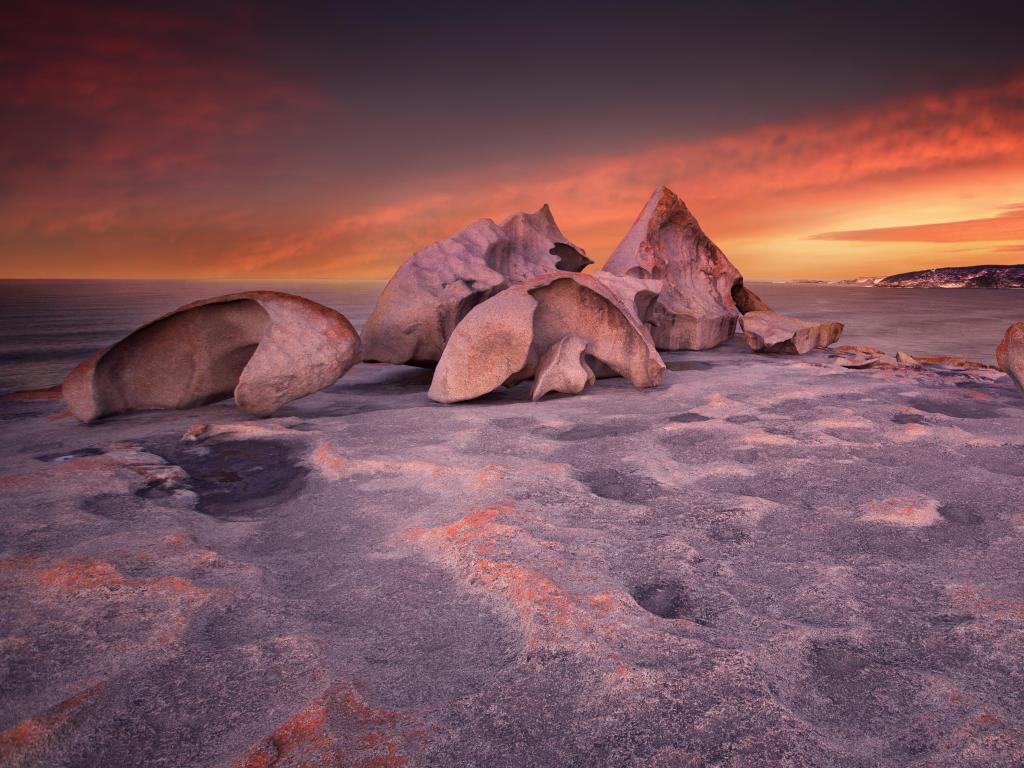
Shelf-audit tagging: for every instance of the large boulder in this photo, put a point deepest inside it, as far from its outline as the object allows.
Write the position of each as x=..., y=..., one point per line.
x=437, y=286
x=263, y=347
x=772, y=332
x=702, y=293
x=1010, y=353
x=528, y=331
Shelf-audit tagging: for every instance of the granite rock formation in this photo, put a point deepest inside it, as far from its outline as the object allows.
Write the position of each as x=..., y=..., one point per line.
x=435, y=288
x=772, y=332
x=263, y=347
x=505, y=339
x=1010, y=353
x=702, y=294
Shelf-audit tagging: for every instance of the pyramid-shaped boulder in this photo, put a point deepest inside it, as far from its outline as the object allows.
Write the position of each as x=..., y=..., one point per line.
x=702, y=293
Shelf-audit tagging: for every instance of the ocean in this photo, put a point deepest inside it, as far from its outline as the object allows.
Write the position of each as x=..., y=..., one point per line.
x=48, y=326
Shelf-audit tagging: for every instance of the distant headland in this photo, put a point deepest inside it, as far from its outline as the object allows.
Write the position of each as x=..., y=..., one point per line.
x=981, y=276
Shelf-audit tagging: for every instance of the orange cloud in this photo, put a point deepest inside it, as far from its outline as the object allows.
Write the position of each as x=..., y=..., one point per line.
x=1008, y=225
x=762, y=193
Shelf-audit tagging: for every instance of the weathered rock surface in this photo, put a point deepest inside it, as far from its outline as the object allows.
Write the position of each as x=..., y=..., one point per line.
x=437, y=286
x=263, y=347
x=636, y=294
x=563, y=368
x=702, y=293
x=1010, y=353
x=762, y=562
x=772, y=332
x=504, y=340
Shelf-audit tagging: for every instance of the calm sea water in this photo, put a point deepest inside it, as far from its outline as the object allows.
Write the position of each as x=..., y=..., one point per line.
x=48, y=326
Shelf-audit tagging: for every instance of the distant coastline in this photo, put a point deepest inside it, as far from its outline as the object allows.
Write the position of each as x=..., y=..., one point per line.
x=980, y=276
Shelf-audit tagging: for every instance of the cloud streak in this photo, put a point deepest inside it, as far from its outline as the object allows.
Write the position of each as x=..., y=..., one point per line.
x=1008, y=225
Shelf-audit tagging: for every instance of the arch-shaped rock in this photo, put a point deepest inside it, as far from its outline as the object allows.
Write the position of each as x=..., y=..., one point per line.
x=265, y=348
x=506, y=339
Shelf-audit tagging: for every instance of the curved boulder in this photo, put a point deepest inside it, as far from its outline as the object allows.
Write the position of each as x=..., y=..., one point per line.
x=526, y=332
x=264, y=348
x=772, y=332
x=702, y=293
x=1010, y=354
x=435, y=288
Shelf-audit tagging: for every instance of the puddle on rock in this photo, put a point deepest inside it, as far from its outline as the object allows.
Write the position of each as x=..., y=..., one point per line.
x=237, y=479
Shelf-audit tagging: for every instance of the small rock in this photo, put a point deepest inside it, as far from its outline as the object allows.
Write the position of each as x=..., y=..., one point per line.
x=772, y=332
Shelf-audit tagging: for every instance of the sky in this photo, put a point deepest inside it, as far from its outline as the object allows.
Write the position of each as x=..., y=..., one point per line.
x=331, y=140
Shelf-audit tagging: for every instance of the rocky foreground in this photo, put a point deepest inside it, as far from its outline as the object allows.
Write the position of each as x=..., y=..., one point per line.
x=765, y=561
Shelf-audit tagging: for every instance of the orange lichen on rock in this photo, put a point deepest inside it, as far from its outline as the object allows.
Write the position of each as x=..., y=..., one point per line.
x=602, y=603
x=481, y=546
x=14, y=481
x=98, y=578
x=758, y=437
x=327, y=460
x=339, y=730
x=954, y=362
x=905, y=512
x=25, y=739
x=478, y=531
x=302, y=740
x=334, y=467
x=544, y=609
x=974, y=394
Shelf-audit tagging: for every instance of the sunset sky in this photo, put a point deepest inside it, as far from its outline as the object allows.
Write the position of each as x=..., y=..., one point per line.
x=331, y=140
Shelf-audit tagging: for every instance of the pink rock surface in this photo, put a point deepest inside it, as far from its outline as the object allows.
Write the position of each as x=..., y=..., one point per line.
x=263, y=347
x=437, y=286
